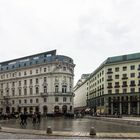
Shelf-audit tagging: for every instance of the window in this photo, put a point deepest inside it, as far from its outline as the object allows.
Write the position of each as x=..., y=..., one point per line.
x=31, y=81
x=19, y=92
x=124, y=83
x=30, y=71
x=45, y=79
x=56, y=88
x=31, y=101
x=36, y=71
x=37, y=100
x=64, y=99
x=117, y=91
x=56, y=99
x=24, y=72
x=132, y=75
x=64, y=89
x=109, y=84
x=25, y=91
x=45, y=89
x=19, y=83
x=36, y=80
x=124, y=68
x=64, y=68
x=132, y=90
x=124, y=75
x=124, y=90
x=13, y=84
x=31, y=91
x=13, y=102
x=116, y=76
x=132, y=67
x=109, y=91
x=37, y=90
x=70, y=99
x=110, y=70
x=45, y=99
x=25, y=101
x=116, y=69
x=132, y=83
x=44, y=69
x=19, y=101
x=25, y=82
x=13, y=92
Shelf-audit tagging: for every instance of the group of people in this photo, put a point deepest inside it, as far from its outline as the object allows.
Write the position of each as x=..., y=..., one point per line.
x=36, y=118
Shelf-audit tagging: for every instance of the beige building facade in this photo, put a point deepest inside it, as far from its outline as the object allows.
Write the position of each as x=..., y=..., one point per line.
x=41, y=83
x=114, y=87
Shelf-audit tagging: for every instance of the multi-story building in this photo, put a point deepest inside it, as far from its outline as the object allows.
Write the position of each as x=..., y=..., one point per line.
x=114, y=87
x=42, y=82
x=80, y=91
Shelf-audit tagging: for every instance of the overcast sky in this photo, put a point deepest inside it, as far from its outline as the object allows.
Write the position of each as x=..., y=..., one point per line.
x=89, y=31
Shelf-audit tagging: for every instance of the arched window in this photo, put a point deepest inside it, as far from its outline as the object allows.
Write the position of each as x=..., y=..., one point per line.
x=45, y=89
x=37, y=90
x=56, y=88
x=64, y=89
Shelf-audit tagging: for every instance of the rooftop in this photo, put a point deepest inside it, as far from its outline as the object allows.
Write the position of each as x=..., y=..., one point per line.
x=45, y=57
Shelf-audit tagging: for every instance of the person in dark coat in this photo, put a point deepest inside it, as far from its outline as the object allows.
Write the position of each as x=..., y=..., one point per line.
x=22, y=119
x=38, y=117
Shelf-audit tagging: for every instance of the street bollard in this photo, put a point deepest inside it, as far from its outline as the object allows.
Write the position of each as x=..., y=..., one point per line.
x=92, y=131
x=49, y=130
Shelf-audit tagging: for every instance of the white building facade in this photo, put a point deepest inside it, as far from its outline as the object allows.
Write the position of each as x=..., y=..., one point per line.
x=37, y=83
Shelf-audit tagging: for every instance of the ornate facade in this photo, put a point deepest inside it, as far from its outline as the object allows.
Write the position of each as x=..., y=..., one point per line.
x=42, y=82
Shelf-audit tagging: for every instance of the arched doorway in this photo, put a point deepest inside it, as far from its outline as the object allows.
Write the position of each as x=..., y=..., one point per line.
x=64, y=109
x=45, y=110
x=25, y=109
x=36, y=109
x=56, y=109
x=7, y=109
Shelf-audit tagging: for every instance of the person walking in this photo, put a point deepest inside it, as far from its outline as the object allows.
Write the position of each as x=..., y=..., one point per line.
x=38, y=117
x=34, y=117
x=21, y=119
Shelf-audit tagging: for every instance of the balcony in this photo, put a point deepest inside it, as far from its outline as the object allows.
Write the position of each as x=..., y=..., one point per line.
x=116, y=86
x=132, y=85
x=44, y=94
x=124, y=78
x=109, y=72
x=109, y=87
x=109, y=79
x=6, y=97
x=124, y=85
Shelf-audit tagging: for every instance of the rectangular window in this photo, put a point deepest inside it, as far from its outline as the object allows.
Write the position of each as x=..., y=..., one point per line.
x=31, y=81
x=64, y=99
x=132, y=67
x=116, y=76
x=132, y=74
x=124, y=90
x=132, y=90
x=45, y=79
x=44, y=69
x=31, y=91
x=116, y=69
x=124, y=68
x=56, y=99
x=36, y=80
x=109, y=91
x=45, y=99
x=117, y=91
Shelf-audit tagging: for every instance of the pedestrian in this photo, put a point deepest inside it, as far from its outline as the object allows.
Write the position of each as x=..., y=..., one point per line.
x=25, y=118
x=38, y=117
x=34, y=117
x=21, y=119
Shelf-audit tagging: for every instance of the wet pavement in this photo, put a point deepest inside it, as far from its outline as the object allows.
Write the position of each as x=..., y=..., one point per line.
x=75, y=125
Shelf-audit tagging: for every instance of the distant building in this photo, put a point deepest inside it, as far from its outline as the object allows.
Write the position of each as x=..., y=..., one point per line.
x=114, y=87
x=80, y=91
x=42, y=82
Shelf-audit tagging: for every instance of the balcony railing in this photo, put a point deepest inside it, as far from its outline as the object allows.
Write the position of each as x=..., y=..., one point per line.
x=124, y=85
x=109, y=87
x=110, y=79
x=132, y=85
x=124, y=78
x=117, y=86
x=109, y=72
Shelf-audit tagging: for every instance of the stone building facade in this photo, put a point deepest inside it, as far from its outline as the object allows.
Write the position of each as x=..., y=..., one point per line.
x=42, y=82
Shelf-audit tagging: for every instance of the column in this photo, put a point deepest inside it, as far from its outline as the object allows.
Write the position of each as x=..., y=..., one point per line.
x=120, y=104
x=138, y=106
x=111, y=108
x=129, y=106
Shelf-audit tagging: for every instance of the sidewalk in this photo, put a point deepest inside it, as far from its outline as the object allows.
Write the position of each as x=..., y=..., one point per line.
x=60, y=134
